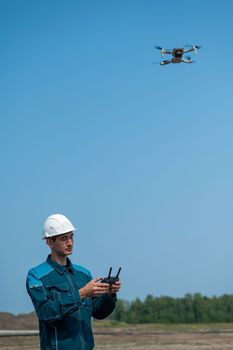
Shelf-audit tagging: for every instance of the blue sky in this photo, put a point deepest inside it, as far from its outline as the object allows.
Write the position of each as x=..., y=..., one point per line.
x=138, y=156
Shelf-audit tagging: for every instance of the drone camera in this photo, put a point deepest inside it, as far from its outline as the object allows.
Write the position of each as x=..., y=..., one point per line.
x=111, y=279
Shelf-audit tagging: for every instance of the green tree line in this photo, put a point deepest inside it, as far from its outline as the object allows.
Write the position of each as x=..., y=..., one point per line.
x=192, y=308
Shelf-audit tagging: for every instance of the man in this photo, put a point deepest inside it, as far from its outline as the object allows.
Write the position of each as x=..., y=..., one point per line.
x=64, y=295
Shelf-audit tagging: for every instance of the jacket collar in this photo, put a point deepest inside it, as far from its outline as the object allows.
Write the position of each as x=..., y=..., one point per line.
x=58, y=267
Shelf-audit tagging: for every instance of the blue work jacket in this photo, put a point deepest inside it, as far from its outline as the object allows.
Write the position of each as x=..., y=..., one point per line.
x=64, y=318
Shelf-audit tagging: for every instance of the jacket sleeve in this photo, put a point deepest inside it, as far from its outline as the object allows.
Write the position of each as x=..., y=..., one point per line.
x=103, y=306
x=51, y=307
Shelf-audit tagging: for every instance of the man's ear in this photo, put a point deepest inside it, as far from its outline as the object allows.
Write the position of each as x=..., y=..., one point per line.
x=50, y=242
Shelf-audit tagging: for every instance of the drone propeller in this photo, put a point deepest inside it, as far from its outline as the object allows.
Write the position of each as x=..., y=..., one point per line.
x=162, y=50
x=193, y=47
x=196, y=46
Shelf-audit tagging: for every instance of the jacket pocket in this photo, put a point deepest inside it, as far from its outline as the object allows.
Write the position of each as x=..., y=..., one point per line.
x=58, y=286
x=56, y=290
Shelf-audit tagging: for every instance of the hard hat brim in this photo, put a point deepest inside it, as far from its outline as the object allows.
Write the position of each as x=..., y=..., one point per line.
x=46, y=235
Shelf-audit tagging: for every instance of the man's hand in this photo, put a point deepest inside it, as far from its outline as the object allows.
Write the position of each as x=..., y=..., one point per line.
x=114, y=288
x=94, y=288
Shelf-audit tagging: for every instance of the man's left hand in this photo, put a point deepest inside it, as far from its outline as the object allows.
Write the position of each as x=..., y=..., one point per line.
x=114, y=288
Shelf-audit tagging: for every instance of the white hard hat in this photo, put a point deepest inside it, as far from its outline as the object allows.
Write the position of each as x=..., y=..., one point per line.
x=57, y=224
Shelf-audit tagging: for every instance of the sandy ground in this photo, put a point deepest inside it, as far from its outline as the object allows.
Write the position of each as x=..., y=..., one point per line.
x=124, y=340
x=181, y=341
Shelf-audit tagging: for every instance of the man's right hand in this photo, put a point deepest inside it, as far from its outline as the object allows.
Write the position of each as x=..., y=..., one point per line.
x=94, y=288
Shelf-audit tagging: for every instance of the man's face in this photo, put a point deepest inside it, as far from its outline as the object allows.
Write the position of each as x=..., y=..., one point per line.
x=62, y=245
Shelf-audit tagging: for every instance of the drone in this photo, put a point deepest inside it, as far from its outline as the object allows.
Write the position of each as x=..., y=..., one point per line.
x=177, y=54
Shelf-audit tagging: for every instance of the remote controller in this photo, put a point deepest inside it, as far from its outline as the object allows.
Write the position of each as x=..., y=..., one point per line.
x=111, y=279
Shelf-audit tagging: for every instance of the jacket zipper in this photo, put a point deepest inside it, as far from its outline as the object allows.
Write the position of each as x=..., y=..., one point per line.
x=55, y=335
x=70, y=284
x=73, y=293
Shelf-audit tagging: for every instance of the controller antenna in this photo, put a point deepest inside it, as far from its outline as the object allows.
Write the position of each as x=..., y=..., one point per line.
x=110, y=271
x=118, y=272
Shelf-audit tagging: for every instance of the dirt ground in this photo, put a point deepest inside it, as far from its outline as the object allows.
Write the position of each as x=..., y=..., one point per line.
x=144, y=337
x=174, y=341
x=128, y=340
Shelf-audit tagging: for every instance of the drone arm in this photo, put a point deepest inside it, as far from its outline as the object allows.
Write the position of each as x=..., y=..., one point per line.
x=193, y=48
x=188, y=60
x=162, y=63
x=189, y=50
x=167, y=52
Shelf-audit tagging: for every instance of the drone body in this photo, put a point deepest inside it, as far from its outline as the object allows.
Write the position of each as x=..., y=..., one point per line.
x=177, y=54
